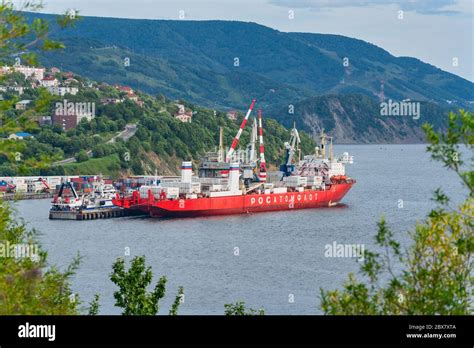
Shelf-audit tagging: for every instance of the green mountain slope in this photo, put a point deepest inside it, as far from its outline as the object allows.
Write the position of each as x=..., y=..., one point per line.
x=197, y=59
x=156, y=75
x=357, y=119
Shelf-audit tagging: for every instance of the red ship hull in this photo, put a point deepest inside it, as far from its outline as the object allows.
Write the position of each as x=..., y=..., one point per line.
x=240, y=204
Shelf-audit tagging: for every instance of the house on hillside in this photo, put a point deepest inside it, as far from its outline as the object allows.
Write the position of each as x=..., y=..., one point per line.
x=125, y=89
x=20, y=136
x=107, y=101
x=22, y=104
x=20, y=90
x=130, y=94
x=183, y=115
x=70, y=80
x=232, y=115
x=133, y=97
x=61, y=91
x=49, y=81
x=71, y=118
x=27, y=71
x=44, y=121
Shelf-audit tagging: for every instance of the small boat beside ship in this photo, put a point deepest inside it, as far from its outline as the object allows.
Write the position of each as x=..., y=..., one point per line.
x=67, y=204
x=236, y=182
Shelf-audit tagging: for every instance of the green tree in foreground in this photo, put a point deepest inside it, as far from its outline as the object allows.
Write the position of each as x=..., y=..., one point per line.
x=28, y=285
x=18, y=36
x=132, y=296
x=436, y=274
x=94, y=306
x=239, y=308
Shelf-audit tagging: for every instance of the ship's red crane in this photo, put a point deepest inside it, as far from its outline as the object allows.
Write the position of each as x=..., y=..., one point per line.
x=263, y=166
x=237, y=137
x=46, y=186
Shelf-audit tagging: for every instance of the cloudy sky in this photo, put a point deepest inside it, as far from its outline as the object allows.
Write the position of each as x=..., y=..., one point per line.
x=439, y=32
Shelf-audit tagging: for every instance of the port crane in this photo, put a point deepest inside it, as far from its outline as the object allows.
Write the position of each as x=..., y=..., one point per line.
x=291, y=147
x=11, y=188
x=239, y=133
x=249, y=164
x=46, y=187
x=263, y=166
x=251, y=150
x=252, y=159
x=66, y=200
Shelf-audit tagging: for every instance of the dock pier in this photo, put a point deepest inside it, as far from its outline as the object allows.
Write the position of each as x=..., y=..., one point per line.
x=92, y=214
x=25, y=195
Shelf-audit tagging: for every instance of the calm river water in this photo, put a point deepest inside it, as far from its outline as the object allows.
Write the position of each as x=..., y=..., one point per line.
x=280, y=255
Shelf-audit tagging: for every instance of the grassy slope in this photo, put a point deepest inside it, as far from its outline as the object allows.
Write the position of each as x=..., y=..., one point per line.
x=109, y=165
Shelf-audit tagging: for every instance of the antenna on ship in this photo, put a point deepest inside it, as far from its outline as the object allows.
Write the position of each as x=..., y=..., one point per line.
x=221, y=153
x=322, y=138
x=298, y=141
x=237, y=137
x=253, y=140
x=263, y=166
x=331, y=152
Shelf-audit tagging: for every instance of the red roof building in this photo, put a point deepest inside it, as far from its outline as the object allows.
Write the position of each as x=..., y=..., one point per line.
x=125, y=89
x=232, y=115
x=183, y=115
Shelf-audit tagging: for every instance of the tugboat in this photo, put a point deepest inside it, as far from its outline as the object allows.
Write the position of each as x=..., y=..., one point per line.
x=95, y=205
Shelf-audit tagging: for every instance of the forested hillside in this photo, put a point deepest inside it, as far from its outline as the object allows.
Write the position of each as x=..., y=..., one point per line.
x=159, y=144
x=356, y=118
x=227, y=63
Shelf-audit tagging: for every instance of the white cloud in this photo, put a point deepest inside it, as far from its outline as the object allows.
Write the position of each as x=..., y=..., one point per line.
x=421, y=6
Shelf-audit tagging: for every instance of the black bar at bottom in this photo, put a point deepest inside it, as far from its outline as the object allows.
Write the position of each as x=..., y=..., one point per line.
x=290, y=330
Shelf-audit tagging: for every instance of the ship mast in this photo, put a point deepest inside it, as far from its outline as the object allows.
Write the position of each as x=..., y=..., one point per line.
x=263, y=166
x=331, y=152
x=253, y=140
x=298, y=142
x=221, y=153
